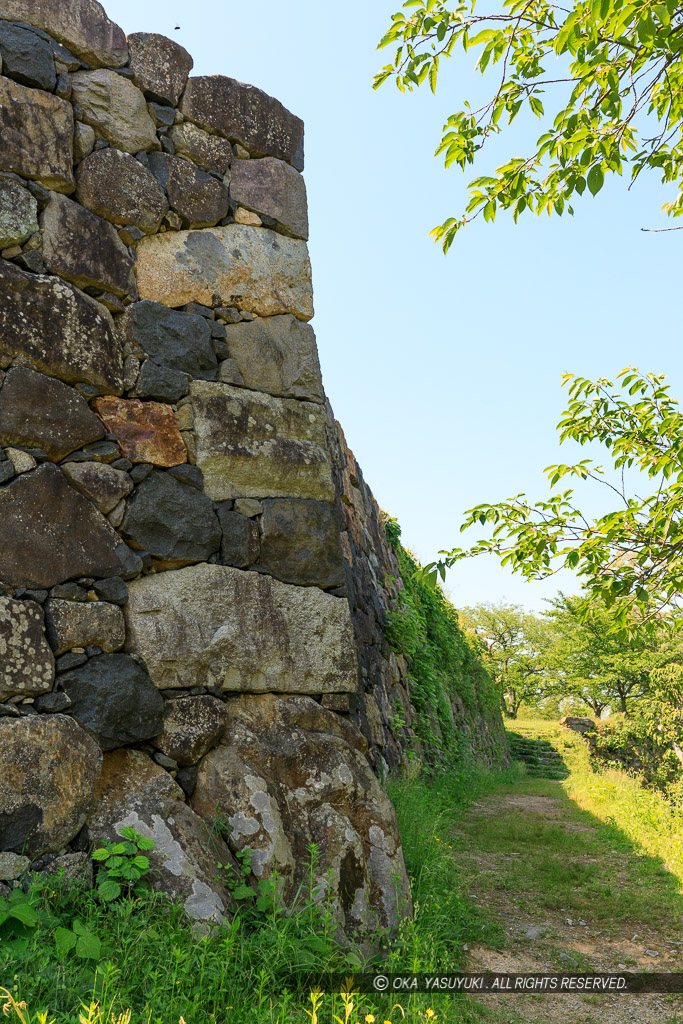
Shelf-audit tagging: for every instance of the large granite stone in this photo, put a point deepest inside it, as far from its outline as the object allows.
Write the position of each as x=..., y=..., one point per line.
x=102, y=484
x=37, y=136
x=50, y=533
x=113, y=696
x=40, y=412
x=254, y=269
x=49, y=768
x=181, y=341
x=251, y=445
x=81, y=25
x=116, y=109
x=58, y=330
x=246, y=115
x=85, y=249
x=79, y=623
x=192, y=726
x=186, y=859
x=27, y=666
x=277, y=354
x=208, y=151
x=146, y=431
x=273, y=188
x=289, y=773
x=18, y=214
x=175, y=523
x=26, y=56
x=160, y=66
x=117, y=187
x=212, y=625
x=300, y=542
x=196, y=196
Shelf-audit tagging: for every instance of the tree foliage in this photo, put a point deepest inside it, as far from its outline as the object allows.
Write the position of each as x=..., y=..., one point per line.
x=513, y=644
x=606, y=670
x=613, y=72
x=630, y=559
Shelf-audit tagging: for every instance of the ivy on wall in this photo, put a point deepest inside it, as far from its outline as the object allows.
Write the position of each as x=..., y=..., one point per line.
x=455, y=700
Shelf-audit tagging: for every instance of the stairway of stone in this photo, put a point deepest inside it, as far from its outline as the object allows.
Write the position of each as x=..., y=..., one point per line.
x=542, y=760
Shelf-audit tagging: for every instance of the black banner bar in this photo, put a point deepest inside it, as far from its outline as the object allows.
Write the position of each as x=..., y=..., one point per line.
x=491, y=983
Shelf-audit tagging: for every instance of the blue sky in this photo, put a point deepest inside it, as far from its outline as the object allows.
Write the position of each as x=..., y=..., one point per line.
x=444, y=371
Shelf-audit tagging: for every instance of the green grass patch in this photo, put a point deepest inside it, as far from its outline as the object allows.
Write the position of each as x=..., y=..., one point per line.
x=146, y=959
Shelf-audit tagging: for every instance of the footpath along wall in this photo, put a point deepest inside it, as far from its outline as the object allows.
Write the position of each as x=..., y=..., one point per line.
x=194, y=578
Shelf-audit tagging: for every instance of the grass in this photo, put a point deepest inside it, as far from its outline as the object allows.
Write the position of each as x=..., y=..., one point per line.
x=148, y=961
x=465, y=863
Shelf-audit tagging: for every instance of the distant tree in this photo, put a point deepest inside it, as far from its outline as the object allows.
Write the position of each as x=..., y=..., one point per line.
x=513, y=643
x=607, y=670
x=613, y=70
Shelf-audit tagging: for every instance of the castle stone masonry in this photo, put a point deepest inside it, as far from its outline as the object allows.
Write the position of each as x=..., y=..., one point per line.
x=192, y=575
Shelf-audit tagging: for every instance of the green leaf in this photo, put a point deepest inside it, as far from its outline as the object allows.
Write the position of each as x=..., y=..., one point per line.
x=100, y=854
x=88, y=946
x=108, y=889
x=25, y=913
x=595, y=179
x=65, y=940
x=145, y=843
x=243, y=892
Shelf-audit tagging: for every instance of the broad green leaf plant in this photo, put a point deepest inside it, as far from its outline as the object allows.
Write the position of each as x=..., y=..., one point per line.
x=610, y=73
x=630, y=559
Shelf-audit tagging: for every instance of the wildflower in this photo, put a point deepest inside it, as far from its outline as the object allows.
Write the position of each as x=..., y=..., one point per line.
x=369, y=1018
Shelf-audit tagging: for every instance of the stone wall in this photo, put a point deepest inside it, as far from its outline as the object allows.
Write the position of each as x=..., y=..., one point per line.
x=188, y=582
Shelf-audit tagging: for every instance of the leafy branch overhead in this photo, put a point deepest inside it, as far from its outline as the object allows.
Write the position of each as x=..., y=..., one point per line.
x=615, y=74
x=631, y=559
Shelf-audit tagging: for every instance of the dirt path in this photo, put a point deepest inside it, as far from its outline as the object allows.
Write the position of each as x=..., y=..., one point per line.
x=568, y=896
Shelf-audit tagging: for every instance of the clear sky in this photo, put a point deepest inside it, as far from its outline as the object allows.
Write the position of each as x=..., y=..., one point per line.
x=444, y=371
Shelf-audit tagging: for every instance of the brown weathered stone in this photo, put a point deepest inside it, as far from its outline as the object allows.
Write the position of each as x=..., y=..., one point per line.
x=85, y=249
x=246, y=115
x=58, y=330
x=277, y=354
x=36, y=129
x=116, y=109
x=102, y=484
x=79, y=623
x=26, y=663
x=135, y=792
x=39, y=412
x=273, y=188
x=208, y=151
x=212, y=625
x=84, y=141
x=251, y=268
x=192, y=726
x=289, y=773
x=252, y=445
x=160, y=66
x=82, y=25
x=49, y=768
x=116, y=186
x=146, y=431
x=196, y=196
x=50, y=533
x=300, y=542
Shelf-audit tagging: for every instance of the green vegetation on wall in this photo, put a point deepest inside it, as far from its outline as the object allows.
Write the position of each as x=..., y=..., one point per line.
x=455, y=699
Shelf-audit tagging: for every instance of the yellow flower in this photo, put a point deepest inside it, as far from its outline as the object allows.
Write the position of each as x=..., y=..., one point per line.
x=369, y=1018
x=430, y=1013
